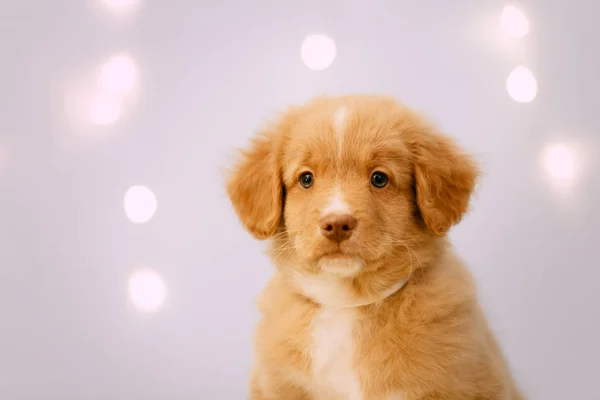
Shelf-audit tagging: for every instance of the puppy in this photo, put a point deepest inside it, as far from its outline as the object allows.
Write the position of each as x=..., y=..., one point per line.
x=368, y=300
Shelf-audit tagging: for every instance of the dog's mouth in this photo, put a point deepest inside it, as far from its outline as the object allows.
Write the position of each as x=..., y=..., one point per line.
x=345, y=250
x=340, y=263
x=338, y=252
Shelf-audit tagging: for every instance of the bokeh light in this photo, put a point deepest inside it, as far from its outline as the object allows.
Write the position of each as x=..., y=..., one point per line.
x=105, y=108
x=513, y=22
x=560, y=162
x=147, y=290
x=118, y=75
x=140, y=204
x=121, y=7
x=522, y=85
x=318, y=52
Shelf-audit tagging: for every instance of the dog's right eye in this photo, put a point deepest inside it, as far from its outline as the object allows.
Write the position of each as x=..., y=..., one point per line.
x=307, y=179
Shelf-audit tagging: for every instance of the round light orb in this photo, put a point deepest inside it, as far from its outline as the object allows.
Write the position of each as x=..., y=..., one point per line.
x=140, y=204
x=560, y=162
x=318, y=52
x=513, y=22
x=105, y=108
x=121, y=7
x=147, y=290
x=522, y=85
x=118, y=75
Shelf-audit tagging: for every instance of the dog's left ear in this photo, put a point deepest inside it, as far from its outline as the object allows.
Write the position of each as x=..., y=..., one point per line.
x=444, y=179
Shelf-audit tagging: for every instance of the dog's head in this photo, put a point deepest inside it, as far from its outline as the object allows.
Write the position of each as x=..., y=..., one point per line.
x=345, y=185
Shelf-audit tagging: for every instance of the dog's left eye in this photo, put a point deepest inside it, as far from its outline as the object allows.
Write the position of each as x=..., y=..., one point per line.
x=379, y=179
x=307, y=179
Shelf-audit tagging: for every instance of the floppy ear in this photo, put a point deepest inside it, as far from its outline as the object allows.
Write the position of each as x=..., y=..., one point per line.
x=444, y=179
x=255, y=187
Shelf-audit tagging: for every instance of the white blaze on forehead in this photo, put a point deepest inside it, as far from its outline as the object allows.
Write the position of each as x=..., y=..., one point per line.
x=339, y=121
x=336, y=204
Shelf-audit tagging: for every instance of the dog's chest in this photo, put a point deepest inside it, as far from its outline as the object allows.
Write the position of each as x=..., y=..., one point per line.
x=332, y=352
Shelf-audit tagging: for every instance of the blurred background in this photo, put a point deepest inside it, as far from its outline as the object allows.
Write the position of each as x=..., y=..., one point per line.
x=124, y=273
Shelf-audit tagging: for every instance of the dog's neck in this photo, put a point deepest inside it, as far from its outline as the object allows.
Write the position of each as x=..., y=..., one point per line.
x=333, y=291
x=374, y=285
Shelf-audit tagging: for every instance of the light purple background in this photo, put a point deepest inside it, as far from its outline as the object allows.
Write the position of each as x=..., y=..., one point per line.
x=210, y=73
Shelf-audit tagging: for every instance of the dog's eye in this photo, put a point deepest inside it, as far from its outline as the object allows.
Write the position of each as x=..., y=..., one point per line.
x=379, y=179
x=307, y=179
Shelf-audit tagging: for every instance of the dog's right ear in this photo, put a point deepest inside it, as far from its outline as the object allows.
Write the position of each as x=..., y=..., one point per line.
x=255, y=183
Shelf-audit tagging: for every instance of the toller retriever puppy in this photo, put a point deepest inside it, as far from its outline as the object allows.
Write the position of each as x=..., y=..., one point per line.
x=368, y=300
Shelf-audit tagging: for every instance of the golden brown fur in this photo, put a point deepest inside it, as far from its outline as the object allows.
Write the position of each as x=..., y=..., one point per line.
x=425, y=340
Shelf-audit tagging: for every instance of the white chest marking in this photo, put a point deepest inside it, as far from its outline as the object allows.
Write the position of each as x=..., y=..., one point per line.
x=332, y=353
x=339, y=120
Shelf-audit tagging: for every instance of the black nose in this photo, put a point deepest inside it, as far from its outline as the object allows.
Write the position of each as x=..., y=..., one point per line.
x=338, y=227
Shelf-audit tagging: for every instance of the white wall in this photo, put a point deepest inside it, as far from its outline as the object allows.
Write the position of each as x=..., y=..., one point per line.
x=206, y=77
